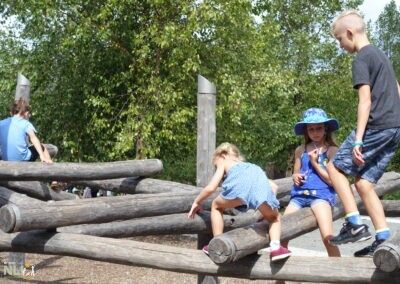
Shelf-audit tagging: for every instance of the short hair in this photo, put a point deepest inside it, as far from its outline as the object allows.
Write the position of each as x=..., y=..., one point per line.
x=349, y=19
x=227, y=149
x=20, y=106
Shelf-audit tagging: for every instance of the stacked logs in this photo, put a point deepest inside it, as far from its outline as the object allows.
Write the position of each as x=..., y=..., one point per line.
x=36, y=219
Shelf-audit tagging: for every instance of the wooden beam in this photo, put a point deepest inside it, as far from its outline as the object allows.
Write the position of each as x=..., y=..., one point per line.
x=238, y=243
x=38, y=190
x=160, y=225
x=46, y=215
x=128, y=252
x=10, y=197
x=391, y=208
x=135, y=185
x=78, y=171
x=387, y=255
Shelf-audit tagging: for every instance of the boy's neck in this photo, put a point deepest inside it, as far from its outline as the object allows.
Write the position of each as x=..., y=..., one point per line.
x=360, y=41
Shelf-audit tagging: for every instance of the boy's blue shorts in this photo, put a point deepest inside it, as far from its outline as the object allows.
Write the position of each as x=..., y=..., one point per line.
x=379, y=147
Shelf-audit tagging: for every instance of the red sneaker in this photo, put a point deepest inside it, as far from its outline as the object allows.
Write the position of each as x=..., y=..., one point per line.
x=205, y=250
x=280, y=253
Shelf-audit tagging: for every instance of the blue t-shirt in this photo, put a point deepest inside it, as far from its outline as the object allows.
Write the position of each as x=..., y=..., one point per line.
x=14, y=138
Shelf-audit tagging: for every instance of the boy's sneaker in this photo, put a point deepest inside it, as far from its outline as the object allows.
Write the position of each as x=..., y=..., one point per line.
x=369, y=250
x=205, y=250
x=351, y=233
x=279, y=254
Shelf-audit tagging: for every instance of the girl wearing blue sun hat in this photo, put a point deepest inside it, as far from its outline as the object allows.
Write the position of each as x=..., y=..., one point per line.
x=312, y=185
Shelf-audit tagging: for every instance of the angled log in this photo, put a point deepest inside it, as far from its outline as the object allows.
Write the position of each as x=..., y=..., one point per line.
x=238, y=243
x=38, y=190
x=160, y=225
x=128, y=252
x=387, y=255
x=55, y=214
x=10, y=197
x=17, y=171
x=391, y=208
x=134, y=185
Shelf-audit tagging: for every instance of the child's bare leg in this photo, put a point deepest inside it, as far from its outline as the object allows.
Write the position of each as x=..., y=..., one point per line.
x=323, y=214
x=291, y=208
x=218, y=206
x=372, y=203
x=273, y=217
x=342, y=188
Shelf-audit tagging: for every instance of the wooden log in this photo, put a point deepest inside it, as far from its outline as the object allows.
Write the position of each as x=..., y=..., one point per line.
x=139, y=185
x=135, y=185
x=160, y=225
x=78, y=171
x=238, y=243
x=183, y=260
x=391, y=208
x=38, y=190
x=10, y=197
x=55, y=214
x=387, y=255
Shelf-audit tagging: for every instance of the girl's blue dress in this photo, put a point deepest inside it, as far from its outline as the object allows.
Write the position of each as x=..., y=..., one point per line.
x=249, y=183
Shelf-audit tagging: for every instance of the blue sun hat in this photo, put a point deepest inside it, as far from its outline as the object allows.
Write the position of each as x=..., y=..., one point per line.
x=315, y=115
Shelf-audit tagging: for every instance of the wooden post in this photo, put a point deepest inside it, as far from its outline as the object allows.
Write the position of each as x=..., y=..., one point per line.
x=387, y=255
x=206, y=136
x=22, y=91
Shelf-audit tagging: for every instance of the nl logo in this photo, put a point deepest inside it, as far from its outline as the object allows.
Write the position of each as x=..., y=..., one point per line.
x=16, y=270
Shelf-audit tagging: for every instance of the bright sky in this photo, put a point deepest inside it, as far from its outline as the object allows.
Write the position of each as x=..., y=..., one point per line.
x=372, y=8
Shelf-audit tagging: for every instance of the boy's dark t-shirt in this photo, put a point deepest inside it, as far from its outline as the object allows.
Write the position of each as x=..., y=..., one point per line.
x=372, y=67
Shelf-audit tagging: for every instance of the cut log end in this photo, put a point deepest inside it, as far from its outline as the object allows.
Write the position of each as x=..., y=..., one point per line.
x=8, y=218
x=387, y=257
x=222, y=250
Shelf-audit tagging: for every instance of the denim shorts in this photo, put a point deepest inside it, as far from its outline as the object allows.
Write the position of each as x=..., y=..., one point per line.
x=379, y=148
x=309, y=201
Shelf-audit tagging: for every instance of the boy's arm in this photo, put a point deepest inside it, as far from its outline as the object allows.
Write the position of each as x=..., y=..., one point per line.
x=364, y=107
x=36, y=143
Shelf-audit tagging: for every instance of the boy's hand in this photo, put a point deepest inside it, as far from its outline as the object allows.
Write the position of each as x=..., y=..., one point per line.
x=195, y=208
x=358, y=156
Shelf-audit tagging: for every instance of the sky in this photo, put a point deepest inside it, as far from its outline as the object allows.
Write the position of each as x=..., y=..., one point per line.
x=372, y=8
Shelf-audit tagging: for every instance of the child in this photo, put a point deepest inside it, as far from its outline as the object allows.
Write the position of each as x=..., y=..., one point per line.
x=312, y=186
x=368, y=149
x=14, y=132
x=242, y=184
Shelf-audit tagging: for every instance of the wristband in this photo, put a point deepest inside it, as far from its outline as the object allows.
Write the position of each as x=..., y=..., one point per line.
x=357, y=143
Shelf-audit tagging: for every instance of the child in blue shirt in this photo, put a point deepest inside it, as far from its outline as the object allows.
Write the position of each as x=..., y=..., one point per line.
x=15, y=134
x=242, y=184
x=312, y=185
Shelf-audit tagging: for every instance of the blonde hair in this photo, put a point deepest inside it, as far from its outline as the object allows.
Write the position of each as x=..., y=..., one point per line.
x=349, y=19
x=227, y=149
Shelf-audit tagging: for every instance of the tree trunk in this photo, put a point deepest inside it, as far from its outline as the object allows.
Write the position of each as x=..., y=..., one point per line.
x=387, y=255
x=78, y=171
x=183, y=260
